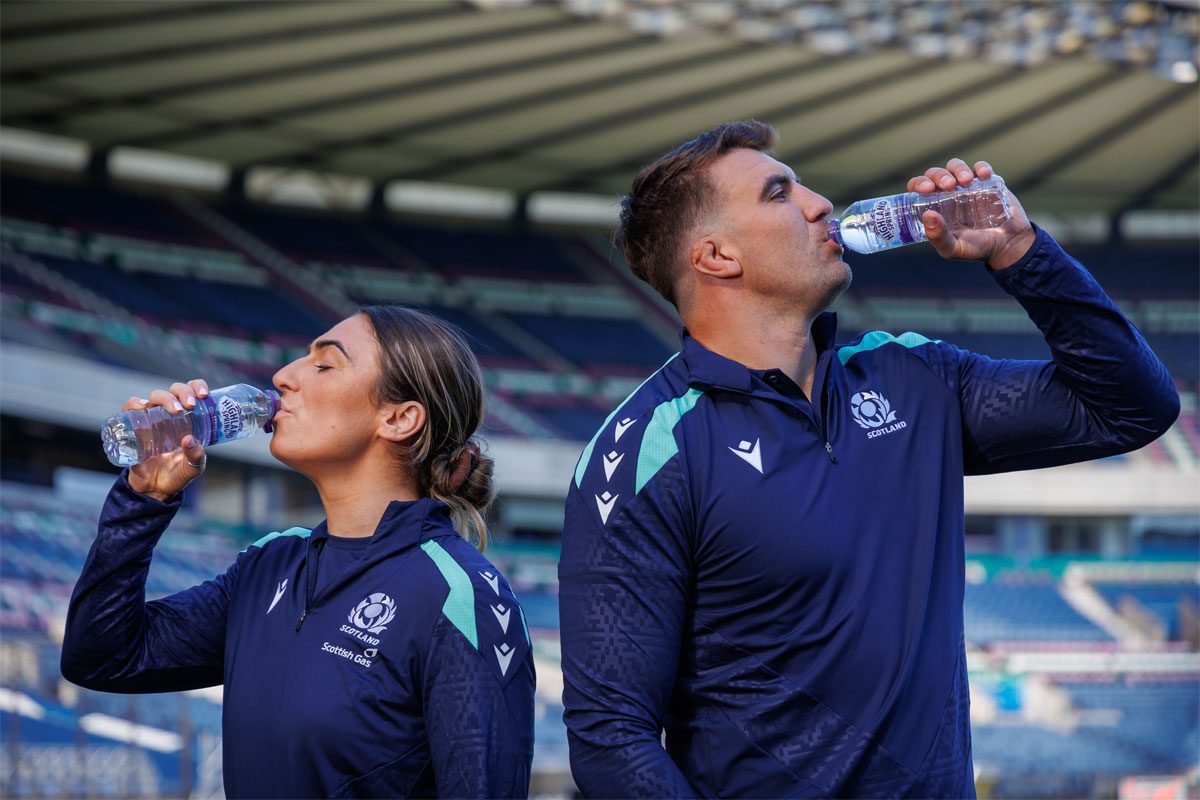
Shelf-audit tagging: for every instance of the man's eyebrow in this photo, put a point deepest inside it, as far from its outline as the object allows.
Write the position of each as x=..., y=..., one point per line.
x=321, y=344
x=771, y=183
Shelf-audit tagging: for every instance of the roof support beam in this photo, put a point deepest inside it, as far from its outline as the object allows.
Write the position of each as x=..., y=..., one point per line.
x=608, y=121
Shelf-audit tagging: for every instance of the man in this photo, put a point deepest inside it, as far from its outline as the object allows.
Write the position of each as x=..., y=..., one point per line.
x=763, y=546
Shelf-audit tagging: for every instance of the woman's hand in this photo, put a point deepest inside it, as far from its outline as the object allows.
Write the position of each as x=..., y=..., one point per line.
x=165, y=476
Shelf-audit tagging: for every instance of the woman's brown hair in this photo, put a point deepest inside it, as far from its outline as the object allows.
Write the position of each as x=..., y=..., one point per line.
x=426, y=360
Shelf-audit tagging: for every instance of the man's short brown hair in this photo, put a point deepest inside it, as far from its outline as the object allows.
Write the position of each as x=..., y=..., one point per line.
x=668, y=197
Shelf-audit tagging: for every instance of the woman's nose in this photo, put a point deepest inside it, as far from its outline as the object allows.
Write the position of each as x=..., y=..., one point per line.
x=282, y=379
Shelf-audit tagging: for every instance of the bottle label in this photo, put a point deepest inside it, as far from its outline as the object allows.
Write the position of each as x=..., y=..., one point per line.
x=890, y=226
x=224, y=418
x=884, y=220
x=229, y=419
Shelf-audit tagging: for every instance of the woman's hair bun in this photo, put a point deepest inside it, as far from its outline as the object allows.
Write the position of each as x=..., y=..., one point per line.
x=462, y=479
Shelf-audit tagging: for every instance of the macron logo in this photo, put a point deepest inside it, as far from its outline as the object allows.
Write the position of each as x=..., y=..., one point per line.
x=611, y=462
x=502, y=615
x=504, y=654
x=751, y=455
x=622, y=426
x=605, y=503
x=278, y=594
x=492, y=581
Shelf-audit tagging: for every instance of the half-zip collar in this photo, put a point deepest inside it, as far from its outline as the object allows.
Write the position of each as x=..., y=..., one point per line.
x=709, y=370
x=404, y=524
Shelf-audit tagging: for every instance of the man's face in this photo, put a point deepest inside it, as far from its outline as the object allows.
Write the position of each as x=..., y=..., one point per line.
x=778, y=229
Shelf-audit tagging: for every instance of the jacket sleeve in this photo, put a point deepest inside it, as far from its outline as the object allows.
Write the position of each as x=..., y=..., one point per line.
x=479, y=707
x=117, y=642
x=1103, y=393
x=624, y=583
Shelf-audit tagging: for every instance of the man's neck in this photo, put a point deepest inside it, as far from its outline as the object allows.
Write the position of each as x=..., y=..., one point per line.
x=761, y=341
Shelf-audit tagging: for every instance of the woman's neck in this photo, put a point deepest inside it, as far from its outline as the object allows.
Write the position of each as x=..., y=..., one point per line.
x=355, y=500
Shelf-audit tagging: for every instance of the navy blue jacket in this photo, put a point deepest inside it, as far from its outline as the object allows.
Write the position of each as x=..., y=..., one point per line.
x=409, y=675
x=779, y=584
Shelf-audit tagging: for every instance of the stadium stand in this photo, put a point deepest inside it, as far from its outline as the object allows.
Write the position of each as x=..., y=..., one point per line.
x=563, y=336
x=1024, y=609
x=532, y=302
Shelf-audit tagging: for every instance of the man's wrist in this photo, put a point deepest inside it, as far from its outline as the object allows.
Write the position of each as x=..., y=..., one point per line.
x=1013, y=251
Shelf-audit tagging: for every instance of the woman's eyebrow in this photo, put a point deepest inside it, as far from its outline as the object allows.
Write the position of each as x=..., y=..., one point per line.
x=320, y=344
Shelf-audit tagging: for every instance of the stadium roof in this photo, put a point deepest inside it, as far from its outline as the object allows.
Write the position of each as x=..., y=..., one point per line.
x=533, y=97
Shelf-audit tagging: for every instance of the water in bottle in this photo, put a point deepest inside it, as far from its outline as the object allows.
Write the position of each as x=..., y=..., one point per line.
x=232, y=412
x=870, y=226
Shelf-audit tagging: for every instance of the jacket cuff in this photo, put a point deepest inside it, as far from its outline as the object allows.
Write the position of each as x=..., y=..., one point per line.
x=1043, y=243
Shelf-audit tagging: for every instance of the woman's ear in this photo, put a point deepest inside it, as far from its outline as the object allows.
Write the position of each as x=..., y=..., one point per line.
x=399, y=422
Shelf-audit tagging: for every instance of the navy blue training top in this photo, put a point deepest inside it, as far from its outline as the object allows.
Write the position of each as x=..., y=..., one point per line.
x=399, y=666
x=778, y=584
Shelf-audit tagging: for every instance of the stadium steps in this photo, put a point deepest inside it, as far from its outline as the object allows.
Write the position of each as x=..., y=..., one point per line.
x=517, y=419
x=1175, y=443
x=152, y=344
x=1090, y=604
x=658, y=316
x=530, y=345
x=303, y=282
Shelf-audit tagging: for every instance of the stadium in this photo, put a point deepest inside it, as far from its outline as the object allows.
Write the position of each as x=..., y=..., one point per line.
x=199, y=188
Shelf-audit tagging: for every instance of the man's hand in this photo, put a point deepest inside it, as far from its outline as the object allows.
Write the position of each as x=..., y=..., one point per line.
x=998, y=247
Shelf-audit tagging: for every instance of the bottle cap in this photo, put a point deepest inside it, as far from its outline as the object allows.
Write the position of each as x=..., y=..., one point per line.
x=835, y=232
x=273, y=397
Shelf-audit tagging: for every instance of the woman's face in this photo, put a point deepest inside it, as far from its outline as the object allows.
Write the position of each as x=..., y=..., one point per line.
x=327, y=412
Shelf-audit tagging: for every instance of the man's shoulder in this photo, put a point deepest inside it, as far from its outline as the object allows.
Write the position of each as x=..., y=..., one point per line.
x=636, y=441
x=881, y=343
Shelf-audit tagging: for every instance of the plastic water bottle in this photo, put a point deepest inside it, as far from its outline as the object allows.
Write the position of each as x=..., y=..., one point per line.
x=232, y=412
x=870, y=226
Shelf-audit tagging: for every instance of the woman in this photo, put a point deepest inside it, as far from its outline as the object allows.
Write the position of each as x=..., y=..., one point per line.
x=379, y=654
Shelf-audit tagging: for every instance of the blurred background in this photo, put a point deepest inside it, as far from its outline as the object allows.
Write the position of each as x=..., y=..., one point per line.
x=199, y=188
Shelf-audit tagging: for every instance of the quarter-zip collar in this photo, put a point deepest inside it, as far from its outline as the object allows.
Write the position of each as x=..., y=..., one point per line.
x=404, y=524
x=709, y=370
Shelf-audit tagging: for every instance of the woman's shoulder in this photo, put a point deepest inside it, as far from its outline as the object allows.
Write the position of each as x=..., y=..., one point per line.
x=479, y=600
x=295, y=536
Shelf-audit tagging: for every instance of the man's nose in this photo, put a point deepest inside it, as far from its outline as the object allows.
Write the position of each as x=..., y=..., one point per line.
x=816, y=206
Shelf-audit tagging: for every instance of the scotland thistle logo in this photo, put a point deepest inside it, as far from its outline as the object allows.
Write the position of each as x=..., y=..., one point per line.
x=374, y=613
x=871, y=410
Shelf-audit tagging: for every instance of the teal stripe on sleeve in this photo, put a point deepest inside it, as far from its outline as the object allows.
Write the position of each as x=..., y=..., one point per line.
x=581, y=467
x=876, y=339
x=459, y=607
x=658, y=442
x=525, y=625
x=303, y=533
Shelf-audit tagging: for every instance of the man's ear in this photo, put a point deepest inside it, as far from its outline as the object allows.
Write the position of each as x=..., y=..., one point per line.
x=715, y=256
x=399, y=422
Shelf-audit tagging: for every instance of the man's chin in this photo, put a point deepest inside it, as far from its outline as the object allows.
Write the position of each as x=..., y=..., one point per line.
x=838, y=284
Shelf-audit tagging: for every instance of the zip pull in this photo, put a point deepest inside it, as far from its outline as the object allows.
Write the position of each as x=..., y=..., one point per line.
x=828, y=449
x=303, y=614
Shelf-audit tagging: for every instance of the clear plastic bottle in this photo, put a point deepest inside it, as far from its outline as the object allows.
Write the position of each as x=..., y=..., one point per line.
x=232, y=412
x=870, y=226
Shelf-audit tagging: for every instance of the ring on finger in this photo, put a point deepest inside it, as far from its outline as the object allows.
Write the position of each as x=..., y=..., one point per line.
x=199, y=466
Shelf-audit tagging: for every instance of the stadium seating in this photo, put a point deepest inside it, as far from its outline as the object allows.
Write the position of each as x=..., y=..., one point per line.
x=1024, y=610
x=531, y=300
x=1161, y=600
x=562, y=341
